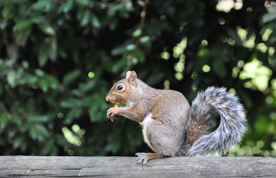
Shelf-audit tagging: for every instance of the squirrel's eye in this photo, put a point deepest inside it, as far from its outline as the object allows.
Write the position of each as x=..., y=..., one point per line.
x=120, y=87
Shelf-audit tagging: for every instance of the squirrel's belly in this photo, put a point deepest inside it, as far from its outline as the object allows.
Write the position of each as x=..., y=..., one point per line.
x=146, y=121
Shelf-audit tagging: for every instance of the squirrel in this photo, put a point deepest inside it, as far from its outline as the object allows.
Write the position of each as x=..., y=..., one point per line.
x=170, y=126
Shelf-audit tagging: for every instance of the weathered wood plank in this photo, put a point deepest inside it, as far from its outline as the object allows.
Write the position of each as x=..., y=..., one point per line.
x=126, y=167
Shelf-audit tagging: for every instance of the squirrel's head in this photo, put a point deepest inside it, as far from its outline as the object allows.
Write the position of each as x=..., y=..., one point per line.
x=121, y=90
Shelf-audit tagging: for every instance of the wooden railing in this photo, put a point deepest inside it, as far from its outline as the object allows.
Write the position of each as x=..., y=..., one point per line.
x=58, y=166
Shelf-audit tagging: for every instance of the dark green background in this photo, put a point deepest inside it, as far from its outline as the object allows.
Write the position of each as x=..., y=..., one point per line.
x=59, y=58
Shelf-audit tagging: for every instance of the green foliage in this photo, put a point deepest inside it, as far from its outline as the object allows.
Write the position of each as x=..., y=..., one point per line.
x=58, y=59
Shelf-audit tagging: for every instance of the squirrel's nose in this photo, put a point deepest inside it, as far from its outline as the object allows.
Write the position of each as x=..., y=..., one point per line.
x=107, y=99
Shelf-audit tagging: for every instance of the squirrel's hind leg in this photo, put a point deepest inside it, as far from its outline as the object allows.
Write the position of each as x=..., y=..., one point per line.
x=143, y=158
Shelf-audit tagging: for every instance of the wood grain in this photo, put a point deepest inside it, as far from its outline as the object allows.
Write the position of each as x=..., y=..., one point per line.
x=52, y=166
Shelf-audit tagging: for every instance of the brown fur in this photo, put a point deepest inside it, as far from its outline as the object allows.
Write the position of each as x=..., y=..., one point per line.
x=151, y=155
x=195, y=131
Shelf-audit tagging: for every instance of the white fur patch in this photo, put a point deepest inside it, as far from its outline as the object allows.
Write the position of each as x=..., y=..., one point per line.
x=145, y=124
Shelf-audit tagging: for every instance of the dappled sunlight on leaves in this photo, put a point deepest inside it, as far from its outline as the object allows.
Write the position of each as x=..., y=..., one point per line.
x=58, y=60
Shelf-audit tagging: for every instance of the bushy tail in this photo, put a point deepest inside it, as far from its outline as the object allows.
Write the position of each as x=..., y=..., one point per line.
x=230, y=129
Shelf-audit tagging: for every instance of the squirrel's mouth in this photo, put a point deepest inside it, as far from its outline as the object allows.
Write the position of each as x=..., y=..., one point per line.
x=115, y=99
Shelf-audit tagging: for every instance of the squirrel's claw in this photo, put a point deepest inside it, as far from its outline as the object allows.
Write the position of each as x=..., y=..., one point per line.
x=110, y=115
x=142, y=158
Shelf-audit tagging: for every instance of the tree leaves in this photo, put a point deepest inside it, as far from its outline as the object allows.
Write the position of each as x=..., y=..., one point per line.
x=47, y=50
x=23, y=25
x=12, y=78
x=270, y=16
x=71, y=76
x=58, y=60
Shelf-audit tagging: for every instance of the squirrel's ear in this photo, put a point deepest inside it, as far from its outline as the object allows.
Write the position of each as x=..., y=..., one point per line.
x=131, y=76
x=128, y=74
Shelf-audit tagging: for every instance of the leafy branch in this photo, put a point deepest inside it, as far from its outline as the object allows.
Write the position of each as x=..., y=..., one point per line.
x=141, y=27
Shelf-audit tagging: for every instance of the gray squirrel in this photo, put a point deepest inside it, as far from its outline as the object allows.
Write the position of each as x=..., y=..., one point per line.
x=170, y=126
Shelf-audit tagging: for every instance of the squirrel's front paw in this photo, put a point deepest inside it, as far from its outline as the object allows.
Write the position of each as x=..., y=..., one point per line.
x=111, y=113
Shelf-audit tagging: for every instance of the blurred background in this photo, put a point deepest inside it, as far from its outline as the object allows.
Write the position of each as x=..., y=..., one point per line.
x=59, y=58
